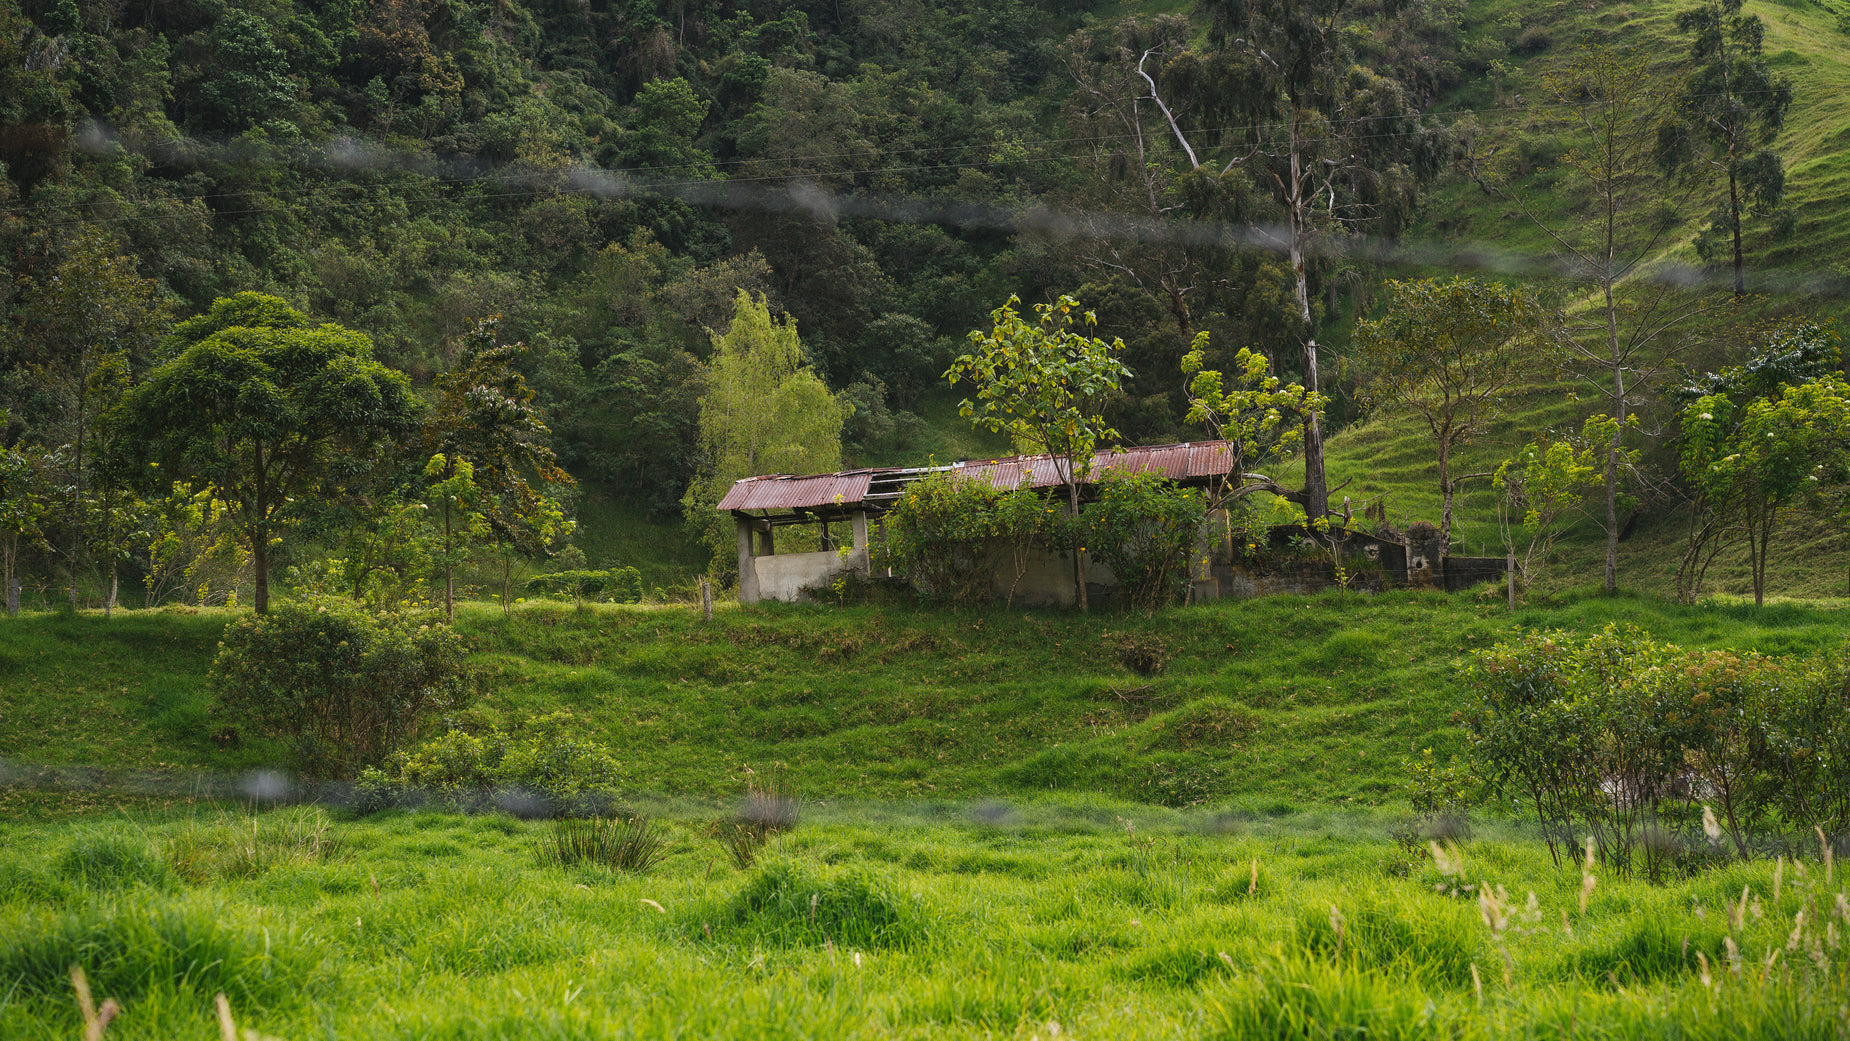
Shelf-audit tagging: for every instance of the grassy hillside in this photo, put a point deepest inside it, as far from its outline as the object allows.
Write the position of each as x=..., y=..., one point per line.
x=1275, y=703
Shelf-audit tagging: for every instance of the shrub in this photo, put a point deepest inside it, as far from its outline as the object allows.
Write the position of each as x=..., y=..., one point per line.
x=1604, y=737
x=618, y=585
x=342, y=686
x=939, y=535
x=1143, y=527
x=545, y=767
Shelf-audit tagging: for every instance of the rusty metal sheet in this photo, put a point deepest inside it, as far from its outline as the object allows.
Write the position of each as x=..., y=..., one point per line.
x=786, y=492
x=1181, y=462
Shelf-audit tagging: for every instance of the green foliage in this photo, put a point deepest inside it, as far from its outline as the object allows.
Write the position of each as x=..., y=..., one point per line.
x=1597, y=736
x=1448, y=351
x=265, y=414
x=548, y=760
x=1754, y=447
x=342, y=686
x=619, y=585
x=956, y=538
x=1548, y=482
x=1145, y=529
x=1044, y=384
x=1259, y=416
x=193, y=550
x=1731, y=109
x=764, y=412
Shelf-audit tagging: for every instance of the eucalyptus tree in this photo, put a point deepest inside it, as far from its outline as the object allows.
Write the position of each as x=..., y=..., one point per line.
x=1338, y=148
x=1728, y=113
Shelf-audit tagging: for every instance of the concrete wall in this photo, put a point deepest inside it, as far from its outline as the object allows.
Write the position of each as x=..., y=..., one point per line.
x=790, y=576
x=787, y=576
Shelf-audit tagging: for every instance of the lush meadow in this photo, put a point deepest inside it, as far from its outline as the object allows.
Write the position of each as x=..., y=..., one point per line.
x=1187, y=824
x=939, y=919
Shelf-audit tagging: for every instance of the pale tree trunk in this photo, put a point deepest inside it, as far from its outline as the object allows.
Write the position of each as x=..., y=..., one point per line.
x=1079, y=556
x=1316, y=494
x=1614, y=451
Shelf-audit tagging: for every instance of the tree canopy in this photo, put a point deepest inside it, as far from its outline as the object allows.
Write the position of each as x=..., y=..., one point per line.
x=267, y=415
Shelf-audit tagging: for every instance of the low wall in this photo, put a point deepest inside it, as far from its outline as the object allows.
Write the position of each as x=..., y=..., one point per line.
x=787, y=576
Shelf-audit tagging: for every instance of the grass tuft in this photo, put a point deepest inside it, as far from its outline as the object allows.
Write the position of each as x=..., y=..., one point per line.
x=620, y=843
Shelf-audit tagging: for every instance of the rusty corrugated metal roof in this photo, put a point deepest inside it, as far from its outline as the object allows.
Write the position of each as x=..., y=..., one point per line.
x=786, y=492
x=1181, y=462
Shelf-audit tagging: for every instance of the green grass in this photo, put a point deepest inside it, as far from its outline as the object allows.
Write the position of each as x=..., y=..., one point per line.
x=1300, y=701
x=922, y=920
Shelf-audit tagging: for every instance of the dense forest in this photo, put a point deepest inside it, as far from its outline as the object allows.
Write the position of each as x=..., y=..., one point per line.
x=607, y=177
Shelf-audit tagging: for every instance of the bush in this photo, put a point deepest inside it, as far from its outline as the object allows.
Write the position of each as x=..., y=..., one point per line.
x=342, y=686
x=1143, y=528
x=619, y=585
x=1618, y=736
x=940, y=534
x=546, y=768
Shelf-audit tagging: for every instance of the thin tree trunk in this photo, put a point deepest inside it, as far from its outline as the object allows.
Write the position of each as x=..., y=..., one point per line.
x=1079, y=556
x=449, y=583
x=1614, y=450
x=260, y=566
x=1316, y=495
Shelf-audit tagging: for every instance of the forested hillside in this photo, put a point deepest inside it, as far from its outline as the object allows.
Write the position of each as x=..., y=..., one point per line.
x=607, y=177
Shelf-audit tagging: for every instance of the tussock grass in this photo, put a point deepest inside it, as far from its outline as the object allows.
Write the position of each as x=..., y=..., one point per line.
x=619, y=843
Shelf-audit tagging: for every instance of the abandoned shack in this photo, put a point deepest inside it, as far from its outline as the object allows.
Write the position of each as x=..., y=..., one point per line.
x=857, y=500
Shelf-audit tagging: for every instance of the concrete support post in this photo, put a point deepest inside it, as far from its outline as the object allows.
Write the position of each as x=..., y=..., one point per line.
x=767, y=541
x=748, y=568
x=864, y=559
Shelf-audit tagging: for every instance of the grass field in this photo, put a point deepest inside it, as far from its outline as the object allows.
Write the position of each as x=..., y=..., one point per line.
x=934, y=919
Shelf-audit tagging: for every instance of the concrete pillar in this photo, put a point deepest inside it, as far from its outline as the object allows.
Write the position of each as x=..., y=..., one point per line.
x=863, y=560
x=767, y=542
x=748, y=569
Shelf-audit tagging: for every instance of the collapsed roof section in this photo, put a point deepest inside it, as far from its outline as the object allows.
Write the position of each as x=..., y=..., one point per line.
x=872, y=491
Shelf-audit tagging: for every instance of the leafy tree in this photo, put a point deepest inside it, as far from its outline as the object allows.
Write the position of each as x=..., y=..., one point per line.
x=84, y=325
x=1447, y=351
x=1044, y=384
x=495, y=473
x=249, y=78
x=1259, y=416
x=764, y=411
x=266, y=415
x=1547, y=480
x=1730, y=111
x=1760, y=456
x=1611, y=104
x=25, y=500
